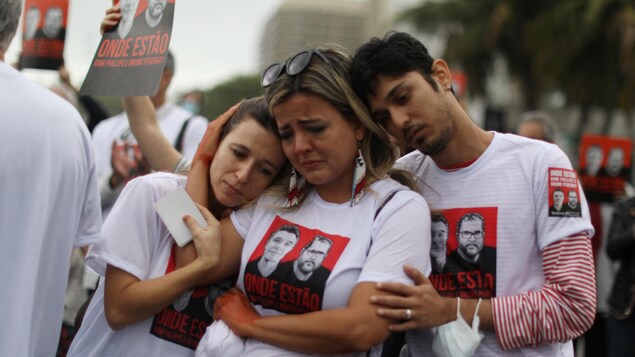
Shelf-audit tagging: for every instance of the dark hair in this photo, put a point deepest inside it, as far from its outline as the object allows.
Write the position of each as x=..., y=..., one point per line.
x=287, y=228
x=9, y=18
x=470, y=217
x=319, y=238
x=394, y=55
x=436, y=216
x=256, y=109
x=170, y=63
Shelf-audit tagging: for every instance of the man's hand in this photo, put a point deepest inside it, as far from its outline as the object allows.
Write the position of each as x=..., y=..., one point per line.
x=113, y=15
x=427, y=308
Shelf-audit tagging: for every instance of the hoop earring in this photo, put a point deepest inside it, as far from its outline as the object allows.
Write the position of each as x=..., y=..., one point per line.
x=297, y=189
x=359, y=178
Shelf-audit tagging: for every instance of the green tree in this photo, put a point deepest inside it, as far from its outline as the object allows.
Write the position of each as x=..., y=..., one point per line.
x=230, y=92
x=586, y=49
x=481, y=29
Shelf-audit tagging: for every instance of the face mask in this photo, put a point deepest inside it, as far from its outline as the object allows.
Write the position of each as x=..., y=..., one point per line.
x=457, y=338
x=190, y=106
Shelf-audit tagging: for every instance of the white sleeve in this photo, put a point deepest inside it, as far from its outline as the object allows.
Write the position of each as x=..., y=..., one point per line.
x=90, y=221
x=401, y=235
x=552, y=229
x=242, y=219
x=193, y=135
x=129, y=233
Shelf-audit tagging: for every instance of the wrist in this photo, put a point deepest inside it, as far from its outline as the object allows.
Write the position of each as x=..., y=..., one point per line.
x=115, y=180
x=451, y=309
x=204, y=159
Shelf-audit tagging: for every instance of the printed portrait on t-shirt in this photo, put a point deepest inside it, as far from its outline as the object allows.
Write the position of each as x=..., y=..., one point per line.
x=289, y=268
x=564, y=193
x=469, y=265
x=185, y=320
x=439, y=241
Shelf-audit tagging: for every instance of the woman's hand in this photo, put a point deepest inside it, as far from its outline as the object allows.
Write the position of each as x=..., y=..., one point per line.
x=208, y=145
x=113, y=15
x=236, y=311
x=207, y=240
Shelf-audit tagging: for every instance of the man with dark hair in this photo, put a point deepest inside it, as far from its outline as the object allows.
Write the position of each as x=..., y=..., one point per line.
x=573, y=203
x=50, y=203
x=558, y=203
x=280, y=243
x=471, y=253
x=539, y=125
x=461, y=166
x=438, y=247
x=309, y=263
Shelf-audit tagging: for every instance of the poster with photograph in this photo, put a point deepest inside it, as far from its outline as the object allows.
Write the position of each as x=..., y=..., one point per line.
x=605, y=165
x=131, y=56
x=43, y=33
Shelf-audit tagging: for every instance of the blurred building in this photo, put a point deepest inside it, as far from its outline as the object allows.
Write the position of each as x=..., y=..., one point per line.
x=300, y=24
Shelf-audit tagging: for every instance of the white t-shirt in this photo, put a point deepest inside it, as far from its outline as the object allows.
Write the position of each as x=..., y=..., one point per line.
x=117, y=128
x=511, y=188
x=362, y=249
x=50, y=203
x=136, y=240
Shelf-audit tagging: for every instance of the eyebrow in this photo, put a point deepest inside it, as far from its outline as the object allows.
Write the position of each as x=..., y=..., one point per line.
x=265, y=161
x=389, y=97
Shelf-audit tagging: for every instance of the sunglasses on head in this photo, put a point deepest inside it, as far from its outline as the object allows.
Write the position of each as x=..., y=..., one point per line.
x=294, y=65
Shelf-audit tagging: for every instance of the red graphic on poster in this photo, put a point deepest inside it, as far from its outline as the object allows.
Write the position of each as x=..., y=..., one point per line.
x=605, y=165
x=43, y=34
x=564, y=193
x=467, y=268
x=131, y=57
x=288, y=269
x=185, y=320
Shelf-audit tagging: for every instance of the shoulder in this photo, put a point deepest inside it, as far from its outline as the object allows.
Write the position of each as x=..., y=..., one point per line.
x=156, y=184
x=411, y=160
x=391, y=196
x=108, y=123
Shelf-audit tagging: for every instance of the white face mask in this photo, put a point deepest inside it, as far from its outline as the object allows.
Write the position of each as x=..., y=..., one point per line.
x=457, y=338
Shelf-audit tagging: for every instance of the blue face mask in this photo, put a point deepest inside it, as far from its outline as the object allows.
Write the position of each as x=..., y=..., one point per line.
x=190, y=106
x=457, y=338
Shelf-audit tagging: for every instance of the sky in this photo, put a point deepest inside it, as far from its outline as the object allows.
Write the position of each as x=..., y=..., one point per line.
x=212, y=41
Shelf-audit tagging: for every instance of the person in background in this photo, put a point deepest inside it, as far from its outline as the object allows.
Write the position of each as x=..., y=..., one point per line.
x=194, y=101
x=539, y=125
x=50, y=203
x=462, y=167
x=620, y=324
x=117, y=153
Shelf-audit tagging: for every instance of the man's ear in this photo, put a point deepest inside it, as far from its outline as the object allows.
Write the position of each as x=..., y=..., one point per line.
x=441, y=73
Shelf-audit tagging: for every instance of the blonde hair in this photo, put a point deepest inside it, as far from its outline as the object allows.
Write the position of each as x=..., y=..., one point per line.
x=331, y=82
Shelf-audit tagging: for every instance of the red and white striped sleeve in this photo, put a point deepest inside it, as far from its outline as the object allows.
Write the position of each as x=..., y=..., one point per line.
x=562, y=309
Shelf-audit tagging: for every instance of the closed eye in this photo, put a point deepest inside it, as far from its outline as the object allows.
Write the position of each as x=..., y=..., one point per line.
x=239, y=154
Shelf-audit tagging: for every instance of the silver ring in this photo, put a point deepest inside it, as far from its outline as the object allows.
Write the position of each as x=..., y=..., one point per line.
x=408, y=314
